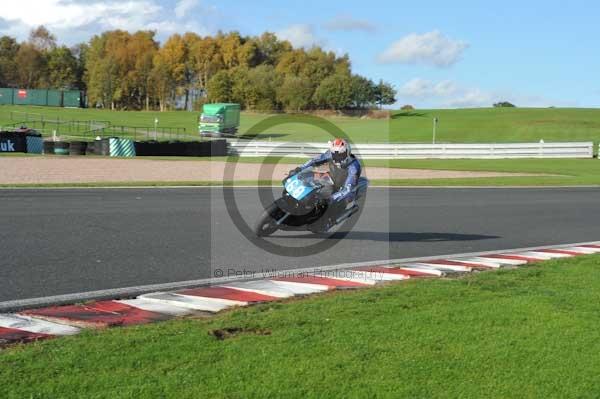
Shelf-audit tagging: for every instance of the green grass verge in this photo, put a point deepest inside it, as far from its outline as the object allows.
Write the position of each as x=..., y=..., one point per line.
x=456, y=125
x=529, y=332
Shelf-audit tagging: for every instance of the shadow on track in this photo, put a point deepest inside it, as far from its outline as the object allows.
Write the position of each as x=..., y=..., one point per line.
x=396, y=236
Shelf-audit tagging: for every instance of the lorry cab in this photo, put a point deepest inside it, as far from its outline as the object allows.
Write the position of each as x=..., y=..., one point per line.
x=220, y=119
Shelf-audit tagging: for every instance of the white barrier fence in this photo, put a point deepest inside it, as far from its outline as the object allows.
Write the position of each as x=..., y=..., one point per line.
x=415, y=151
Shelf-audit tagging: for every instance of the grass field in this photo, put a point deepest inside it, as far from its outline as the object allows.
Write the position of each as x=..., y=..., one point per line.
x=528, y=333
x=456, y=125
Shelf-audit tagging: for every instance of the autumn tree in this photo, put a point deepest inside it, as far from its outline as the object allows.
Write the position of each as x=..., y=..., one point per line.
x=8, y=66
x=42, y=39
x=141, y=49
x=385, y=94
x=363, y=92
x=207, y=60
x=62, y=68
x=101, y=73
x=31, y=67
x=220, y=87
x=334, y=92
x=169, y=70
x=126, y=70
x=295, y=93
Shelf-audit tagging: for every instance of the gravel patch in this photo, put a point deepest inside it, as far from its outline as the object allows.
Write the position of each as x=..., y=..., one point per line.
x=72, y=169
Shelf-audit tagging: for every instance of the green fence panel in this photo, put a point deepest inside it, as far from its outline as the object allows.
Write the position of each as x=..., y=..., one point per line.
x=6, y=96
x=72, y=98
x=31, y=97
x=21, y=97
x=55, y=98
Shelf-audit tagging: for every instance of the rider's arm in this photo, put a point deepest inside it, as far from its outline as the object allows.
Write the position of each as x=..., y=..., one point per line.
x=317, y=161
x=349, y=184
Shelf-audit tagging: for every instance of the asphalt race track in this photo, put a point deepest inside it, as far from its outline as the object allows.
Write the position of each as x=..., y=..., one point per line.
x=60, y=241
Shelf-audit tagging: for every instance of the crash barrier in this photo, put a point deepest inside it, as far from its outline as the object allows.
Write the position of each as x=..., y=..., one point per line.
x=181, y=148
x=20, y=141
x=43, y=97
x=35, y=144
x=121, y=147
x=415, y=151
x=117, y=147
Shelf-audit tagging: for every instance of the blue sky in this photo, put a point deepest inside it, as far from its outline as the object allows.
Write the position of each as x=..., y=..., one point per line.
x=437, y=54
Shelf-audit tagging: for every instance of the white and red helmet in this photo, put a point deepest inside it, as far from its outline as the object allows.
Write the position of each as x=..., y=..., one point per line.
x=340, y=151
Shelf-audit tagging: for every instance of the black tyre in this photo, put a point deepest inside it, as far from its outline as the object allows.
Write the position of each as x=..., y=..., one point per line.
x=266, y=225
x=49, y=147
x=77, y=147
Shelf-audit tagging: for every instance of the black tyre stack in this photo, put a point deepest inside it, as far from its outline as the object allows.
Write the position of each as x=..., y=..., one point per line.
x=78, y=147
x=61, y=148
x=90, y=148
x=49, y=147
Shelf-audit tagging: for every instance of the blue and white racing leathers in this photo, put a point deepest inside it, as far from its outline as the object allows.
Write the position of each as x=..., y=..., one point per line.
x=347, y=174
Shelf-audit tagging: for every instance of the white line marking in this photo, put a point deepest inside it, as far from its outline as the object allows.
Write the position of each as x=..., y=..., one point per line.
x=34, y=325
x=497, y=262
x=582, y=250
x=489, y=262
x=308, y=288
x=551, y=254
x=379, y=276
x=157, y=307
x=450, y=268
x=264, y=287
x=534, y=255
x=191, y=302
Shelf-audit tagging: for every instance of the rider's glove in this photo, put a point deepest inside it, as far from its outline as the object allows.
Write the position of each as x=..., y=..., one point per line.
x=294, y=171
x=336, y=196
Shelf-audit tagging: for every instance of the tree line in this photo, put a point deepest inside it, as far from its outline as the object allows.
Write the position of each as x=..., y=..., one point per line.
x=123, y=70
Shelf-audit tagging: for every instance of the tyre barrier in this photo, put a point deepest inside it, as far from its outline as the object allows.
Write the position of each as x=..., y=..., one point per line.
x=78, y=147
x=49, y=147
x=90, y=148
x=181, y=148
x=61, y=148
x=102, y=147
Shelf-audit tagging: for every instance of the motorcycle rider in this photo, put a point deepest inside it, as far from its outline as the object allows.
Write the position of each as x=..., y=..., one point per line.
x=344, y=169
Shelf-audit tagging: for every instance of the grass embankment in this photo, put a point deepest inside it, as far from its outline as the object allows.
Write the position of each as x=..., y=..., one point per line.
x=456, y=125
x=530, y=332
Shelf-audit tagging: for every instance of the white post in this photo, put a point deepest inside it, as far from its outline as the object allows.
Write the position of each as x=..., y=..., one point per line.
x=155, y=127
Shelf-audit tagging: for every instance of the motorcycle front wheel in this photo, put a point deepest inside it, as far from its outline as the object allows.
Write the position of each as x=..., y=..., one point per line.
x=266, y=223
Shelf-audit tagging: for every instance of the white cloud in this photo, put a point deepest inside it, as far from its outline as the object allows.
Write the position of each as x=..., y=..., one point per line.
x=185, y=6
x=449, y=94
x=76, y=20
x=300, y=35
x=431, y=48
x=422, y=88
x=348, y=23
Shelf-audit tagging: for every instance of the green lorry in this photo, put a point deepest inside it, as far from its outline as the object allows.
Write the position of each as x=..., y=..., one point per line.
x=221, y=119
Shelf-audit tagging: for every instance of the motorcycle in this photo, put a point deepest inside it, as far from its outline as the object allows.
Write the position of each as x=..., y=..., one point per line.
x=305, y=205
